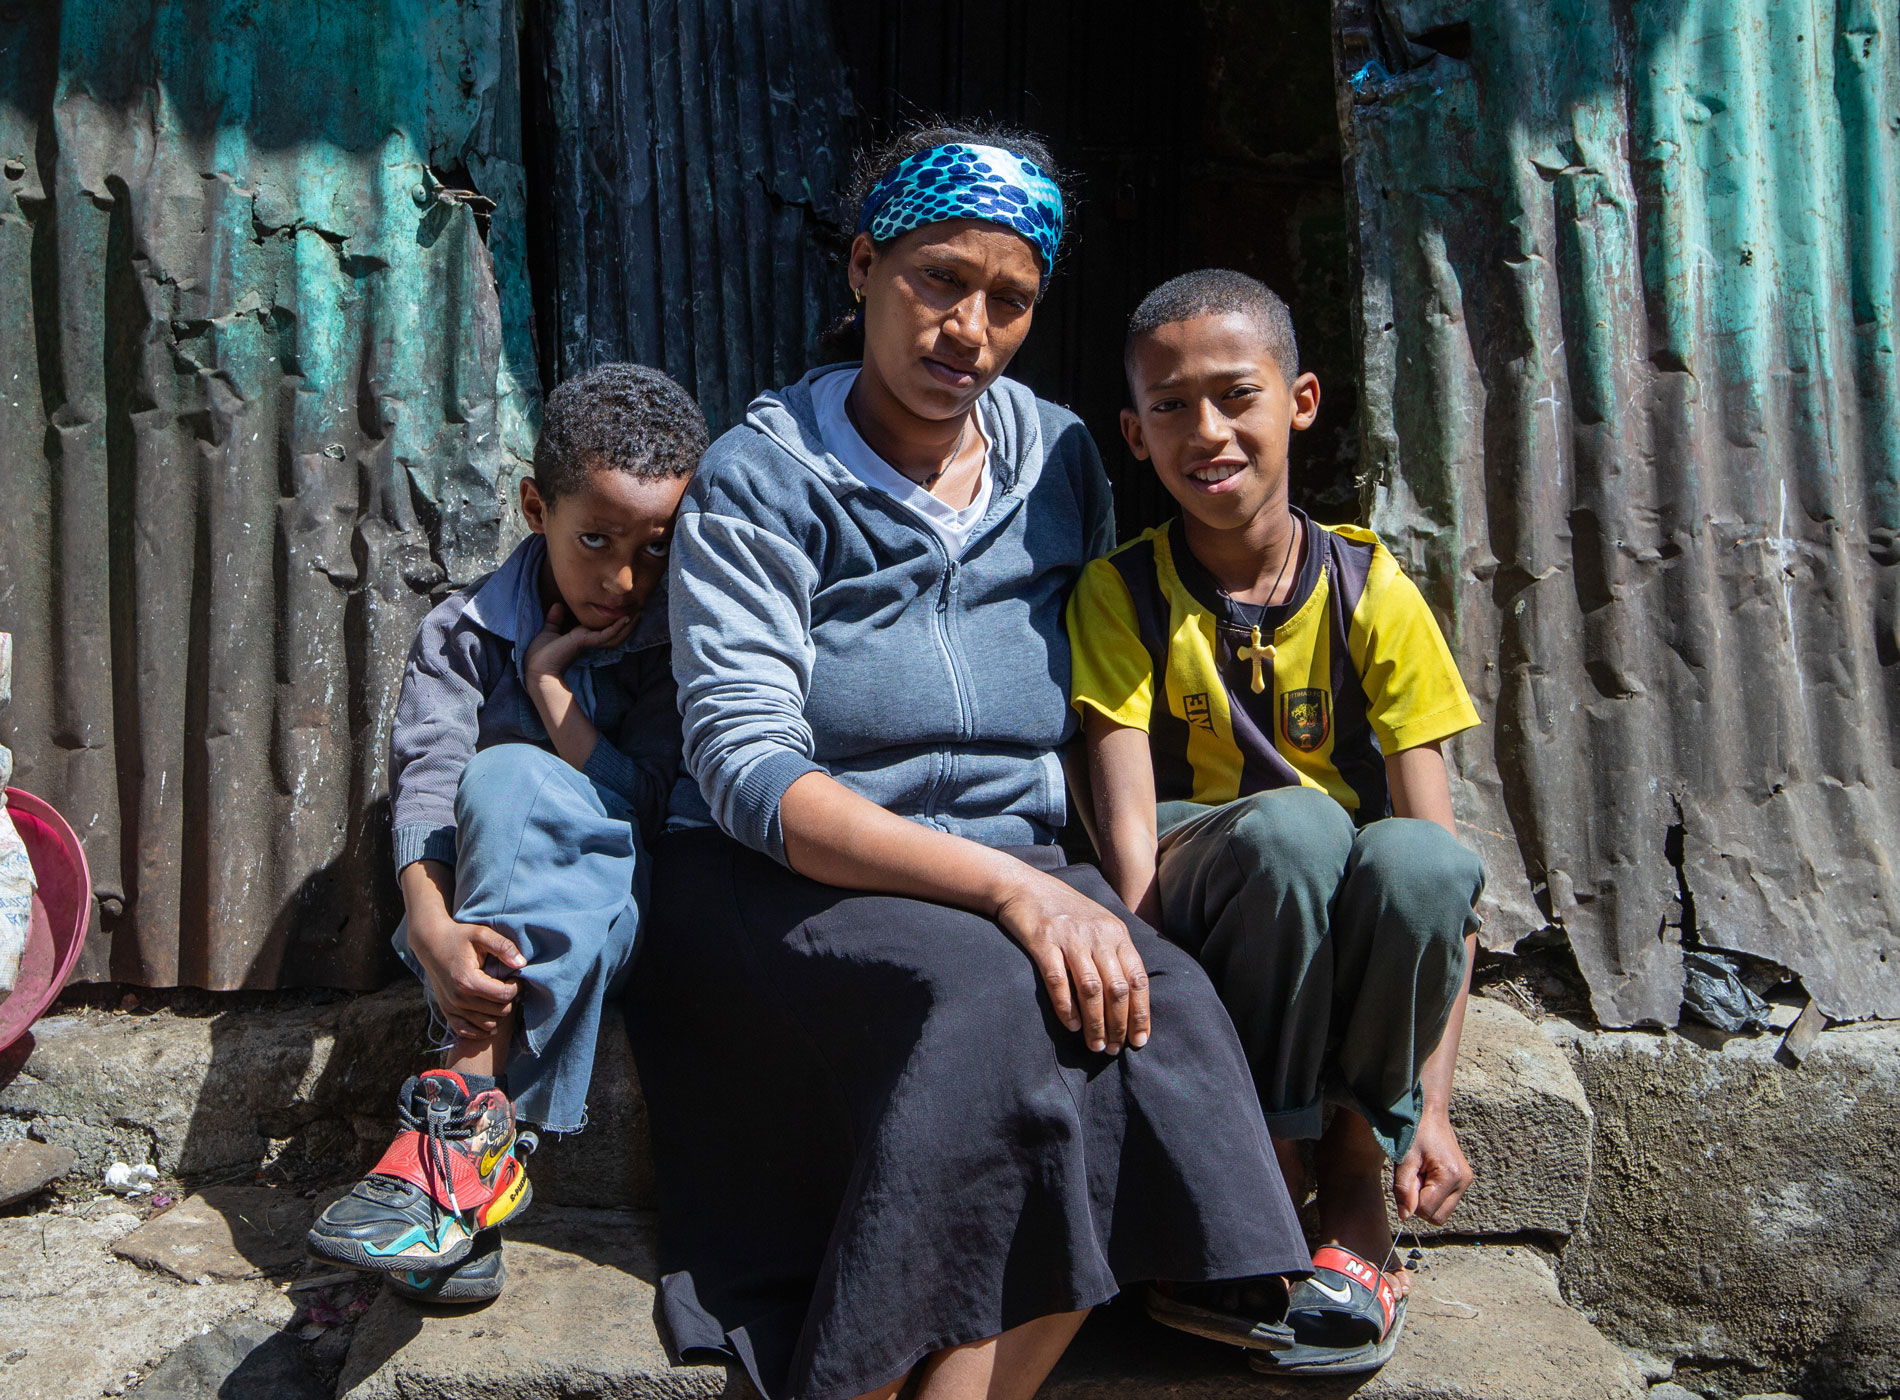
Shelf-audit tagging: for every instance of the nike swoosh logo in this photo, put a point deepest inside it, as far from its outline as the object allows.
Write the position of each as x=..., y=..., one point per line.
x=1338, y=1295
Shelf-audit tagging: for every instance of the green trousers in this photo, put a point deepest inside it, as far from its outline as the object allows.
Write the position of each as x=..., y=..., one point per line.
x=1338, y=951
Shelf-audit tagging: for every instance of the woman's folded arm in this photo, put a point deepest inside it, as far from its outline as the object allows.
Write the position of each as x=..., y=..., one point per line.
x=742, y=657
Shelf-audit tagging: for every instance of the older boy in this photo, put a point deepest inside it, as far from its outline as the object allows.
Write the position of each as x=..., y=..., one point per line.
x=1263, y=701
x=536, y=742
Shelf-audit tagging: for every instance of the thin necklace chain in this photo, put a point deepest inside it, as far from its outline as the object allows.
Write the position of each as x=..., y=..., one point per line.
x=851, y=416
x=962, y=438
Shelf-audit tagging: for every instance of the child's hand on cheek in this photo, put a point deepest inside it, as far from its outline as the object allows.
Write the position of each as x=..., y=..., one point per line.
x=553, y=650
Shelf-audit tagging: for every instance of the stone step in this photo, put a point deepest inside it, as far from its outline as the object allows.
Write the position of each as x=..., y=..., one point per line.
x=211, y=1095
x=1526, y=1128
x=316, y=1084
x=1485, y=1323
x=577, y=1319
x=1744, y=1211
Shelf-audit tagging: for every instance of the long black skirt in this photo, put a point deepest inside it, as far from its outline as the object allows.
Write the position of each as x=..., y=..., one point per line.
x=875, y=1140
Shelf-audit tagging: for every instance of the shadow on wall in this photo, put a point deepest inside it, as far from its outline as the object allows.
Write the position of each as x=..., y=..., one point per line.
x=1200, y=135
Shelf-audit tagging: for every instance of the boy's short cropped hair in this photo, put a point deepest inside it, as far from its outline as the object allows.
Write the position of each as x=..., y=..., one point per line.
x=1217, y=291
x=629, y=418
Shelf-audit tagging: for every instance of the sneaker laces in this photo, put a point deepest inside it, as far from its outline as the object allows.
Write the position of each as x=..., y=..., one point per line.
x=437, y=1130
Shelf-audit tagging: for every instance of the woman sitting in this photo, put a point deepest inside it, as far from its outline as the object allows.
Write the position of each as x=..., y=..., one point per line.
x=922, y=1093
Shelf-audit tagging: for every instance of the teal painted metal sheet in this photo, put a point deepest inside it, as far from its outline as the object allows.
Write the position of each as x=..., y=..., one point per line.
x=1627, y=277
x=266, y=384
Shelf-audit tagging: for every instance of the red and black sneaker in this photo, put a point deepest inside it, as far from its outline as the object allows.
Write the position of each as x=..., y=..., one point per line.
x=454, y=1169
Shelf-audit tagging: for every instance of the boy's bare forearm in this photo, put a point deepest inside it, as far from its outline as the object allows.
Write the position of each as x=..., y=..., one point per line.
x=571, y=731
x=427, y=888
x=1122, y=785
x=1421, y=789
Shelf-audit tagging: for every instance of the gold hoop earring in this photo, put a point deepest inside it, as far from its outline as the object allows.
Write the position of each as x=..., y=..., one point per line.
x=857, y=295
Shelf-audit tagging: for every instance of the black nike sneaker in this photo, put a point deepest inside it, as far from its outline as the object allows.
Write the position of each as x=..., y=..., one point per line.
x=453, y=1171
x=477, y=1279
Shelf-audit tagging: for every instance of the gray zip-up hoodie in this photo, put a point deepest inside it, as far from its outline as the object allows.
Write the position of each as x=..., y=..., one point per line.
x=819, y=625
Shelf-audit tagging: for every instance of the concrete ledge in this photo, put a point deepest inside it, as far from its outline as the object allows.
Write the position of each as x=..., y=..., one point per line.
x=1743, y=1214
x=317, y=1085
x=197, y=1095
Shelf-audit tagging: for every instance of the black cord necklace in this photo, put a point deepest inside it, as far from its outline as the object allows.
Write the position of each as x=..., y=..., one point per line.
x=1255, y=650
x=1292, y=548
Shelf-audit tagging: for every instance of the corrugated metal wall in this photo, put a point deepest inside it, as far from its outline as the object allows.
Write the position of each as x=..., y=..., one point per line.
x=689, y=156
x=1628, y=289
x=266, y=388
x=1627, y=278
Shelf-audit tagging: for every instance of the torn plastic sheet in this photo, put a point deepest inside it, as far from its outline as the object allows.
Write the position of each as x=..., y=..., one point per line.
x=1713, y=992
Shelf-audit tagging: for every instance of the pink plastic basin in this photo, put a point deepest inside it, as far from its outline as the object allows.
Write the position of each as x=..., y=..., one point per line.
x=62, y=909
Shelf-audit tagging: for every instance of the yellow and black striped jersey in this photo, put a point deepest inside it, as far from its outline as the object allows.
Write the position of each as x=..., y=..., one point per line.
x=1316, y=691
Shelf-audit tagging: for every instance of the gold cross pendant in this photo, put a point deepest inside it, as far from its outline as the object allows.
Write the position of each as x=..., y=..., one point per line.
x=1256, y=653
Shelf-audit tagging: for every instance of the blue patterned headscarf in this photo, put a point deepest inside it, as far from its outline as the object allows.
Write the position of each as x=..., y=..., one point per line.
x=961, y=181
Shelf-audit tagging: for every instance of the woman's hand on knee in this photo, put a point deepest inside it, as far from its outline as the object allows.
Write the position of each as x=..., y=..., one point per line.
x=1094, y=976
x=452, y=956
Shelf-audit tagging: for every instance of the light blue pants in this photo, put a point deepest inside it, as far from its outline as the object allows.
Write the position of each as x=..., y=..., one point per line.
x=553, y=862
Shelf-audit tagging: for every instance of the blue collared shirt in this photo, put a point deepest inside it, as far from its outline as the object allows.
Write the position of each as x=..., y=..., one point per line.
x=464, y=689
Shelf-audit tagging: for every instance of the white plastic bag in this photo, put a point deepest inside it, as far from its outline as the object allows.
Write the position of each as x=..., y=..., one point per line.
x=16, y=871
x=16, y=901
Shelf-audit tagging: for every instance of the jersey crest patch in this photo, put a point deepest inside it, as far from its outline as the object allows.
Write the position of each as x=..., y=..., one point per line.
x=1306, y=717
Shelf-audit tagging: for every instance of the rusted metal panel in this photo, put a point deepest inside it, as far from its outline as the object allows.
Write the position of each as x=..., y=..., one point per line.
x=266, y=392
x=1626, y=299
x=690, y=156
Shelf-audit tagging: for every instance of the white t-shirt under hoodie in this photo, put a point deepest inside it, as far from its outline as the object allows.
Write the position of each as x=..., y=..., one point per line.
x=842, y=439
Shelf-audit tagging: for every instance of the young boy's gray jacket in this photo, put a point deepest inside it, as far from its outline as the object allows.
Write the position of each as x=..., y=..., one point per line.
x=464, y=690
x=819, y=625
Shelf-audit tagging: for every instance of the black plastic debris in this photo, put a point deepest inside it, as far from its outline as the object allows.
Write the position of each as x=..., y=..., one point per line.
x=1713, y=992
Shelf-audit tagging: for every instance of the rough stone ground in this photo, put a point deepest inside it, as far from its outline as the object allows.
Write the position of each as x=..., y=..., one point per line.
x=578, y=1320
x=1484, y=1322
x=1736, y=1236
x=79, y=1322
x=28, y=1168
x=571, y=1267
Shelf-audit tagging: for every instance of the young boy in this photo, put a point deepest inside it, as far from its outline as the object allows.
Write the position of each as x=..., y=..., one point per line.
x=535, y=744
x=1263, y=701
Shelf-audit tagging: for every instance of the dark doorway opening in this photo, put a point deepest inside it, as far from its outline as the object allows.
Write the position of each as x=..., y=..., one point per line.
x=1200, y=135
